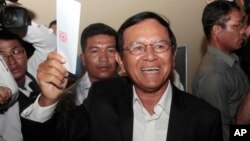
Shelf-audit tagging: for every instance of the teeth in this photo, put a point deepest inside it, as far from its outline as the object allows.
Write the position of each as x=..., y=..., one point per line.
x=150, y=69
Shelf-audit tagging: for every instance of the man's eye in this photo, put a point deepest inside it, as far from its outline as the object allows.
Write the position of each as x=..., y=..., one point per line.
x=137, y=47
x=159, y=46
x=16, y=51
x=111, y=50
x=93, y=50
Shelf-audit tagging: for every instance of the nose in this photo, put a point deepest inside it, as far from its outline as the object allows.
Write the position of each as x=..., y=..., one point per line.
x=243, y=30
x=10, y=60
x=103, y=55
x=150, y=54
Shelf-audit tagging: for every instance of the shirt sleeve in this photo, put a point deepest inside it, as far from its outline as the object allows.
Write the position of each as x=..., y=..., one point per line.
x=37, y=113
x=214, y=89
x=43, y=40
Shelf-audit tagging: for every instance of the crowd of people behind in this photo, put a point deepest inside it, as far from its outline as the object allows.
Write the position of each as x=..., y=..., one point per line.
x=127, y=91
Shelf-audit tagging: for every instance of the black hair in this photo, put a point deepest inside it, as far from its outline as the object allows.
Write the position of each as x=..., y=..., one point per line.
x=51, y=23
x=96, y=29
x=139, y=18
x=217, y=13
x=8, y=35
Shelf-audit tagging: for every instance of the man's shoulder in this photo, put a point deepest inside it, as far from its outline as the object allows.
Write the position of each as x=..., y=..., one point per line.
x=113, y=83
x=212, y=62
x=111, y=88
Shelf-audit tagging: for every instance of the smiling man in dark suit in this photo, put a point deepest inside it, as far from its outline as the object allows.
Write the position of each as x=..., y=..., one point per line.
x=144, y=106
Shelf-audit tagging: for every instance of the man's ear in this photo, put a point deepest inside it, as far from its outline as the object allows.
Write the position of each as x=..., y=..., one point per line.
x=82, y=59
x=216, y=30
x=119, y=61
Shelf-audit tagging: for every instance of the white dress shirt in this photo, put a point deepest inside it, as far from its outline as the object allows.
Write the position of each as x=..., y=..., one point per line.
x=82, y=89
x=44, y=41
x=41, y=114
x=155, y=127
x=10, y=124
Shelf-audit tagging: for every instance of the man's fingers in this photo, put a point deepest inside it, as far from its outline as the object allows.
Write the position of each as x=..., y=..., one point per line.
x=56, y=56
x=5, y=95
x=53, y=65
x=52, y=76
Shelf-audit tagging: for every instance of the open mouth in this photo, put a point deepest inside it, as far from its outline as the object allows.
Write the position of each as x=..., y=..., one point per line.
x=14, y=70
x=103, y=68
x=150, y=70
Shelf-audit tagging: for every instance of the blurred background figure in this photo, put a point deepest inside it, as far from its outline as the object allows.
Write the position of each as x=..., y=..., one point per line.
x=243, y=113
x=52, y=25
x=219, y=80
x=244, y=51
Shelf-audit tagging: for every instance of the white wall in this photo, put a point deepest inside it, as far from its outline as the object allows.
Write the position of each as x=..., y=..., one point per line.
x=184, y=16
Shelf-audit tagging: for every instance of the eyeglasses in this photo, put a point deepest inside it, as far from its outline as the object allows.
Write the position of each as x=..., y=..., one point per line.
x=239, y=26
x=140, y=48
x=17, y=54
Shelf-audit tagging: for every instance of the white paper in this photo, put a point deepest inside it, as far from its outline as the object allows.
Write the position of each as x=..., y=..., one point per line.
x=68, y=21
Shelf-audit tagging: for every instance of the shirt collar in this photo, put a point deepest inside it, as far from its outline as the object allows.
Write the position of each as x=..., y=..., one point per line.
x=229, y=59
x=85, y=82
x=165, y=101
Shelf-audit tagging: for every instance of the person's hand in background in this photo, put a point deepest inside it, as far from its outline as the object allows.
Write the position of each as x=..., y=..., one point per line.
x=5, y=95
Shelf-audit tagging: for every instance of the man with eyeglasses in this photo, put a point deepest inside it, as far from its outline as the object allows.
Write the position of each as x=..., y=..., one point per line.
x=145, y=106
x=24, y=72
x=219, y=79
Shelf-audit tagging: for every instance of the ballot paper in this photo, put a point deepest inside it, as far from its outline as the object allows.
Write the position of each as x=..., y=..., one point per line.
x=68, y=20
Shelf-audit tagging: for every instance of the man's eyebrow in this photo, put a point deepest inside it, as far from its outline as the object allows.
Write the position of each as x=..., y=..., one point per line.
x=93, y=46
x=111, y=46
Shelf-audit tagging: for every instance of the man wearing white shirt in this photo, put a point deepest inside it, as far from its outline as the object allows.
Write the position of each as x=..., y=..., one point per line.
x=142, y=106
x=98, y=43
x=24, y=72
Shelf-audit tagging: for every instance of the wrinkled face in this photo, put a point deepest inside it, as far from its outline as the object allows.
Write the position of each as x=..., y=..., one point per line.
x=232, y=36
x=99, y=57
x=149, y=70
x=17, y=65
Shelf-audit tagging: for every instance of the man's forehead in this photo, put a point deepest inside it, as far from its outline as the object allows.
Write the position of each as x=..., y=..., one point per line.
x=101, y=41
x=101, y=37
x=235, y=15
x=9, y=44
x=101, y=45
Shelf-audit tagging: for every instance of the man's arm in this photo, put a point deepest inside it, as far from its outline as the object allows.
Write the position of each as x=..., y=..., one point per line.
x=52, y=79
x=243, y=113
x=44, y=41
x=68, y=126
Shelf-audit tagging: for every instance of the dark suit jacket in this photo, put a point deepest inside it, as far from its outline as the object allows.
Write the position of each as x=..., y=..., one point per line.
x=107, y=115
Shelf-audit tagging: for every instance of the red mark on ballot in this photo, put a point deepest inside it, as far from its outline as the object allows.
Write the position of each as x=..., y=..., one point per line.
x=63, y=36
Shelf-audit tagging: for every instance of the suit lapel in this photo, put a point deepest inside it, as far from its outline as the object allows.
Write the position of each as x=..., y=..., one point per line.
x=126, y=113
x=178, y=118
